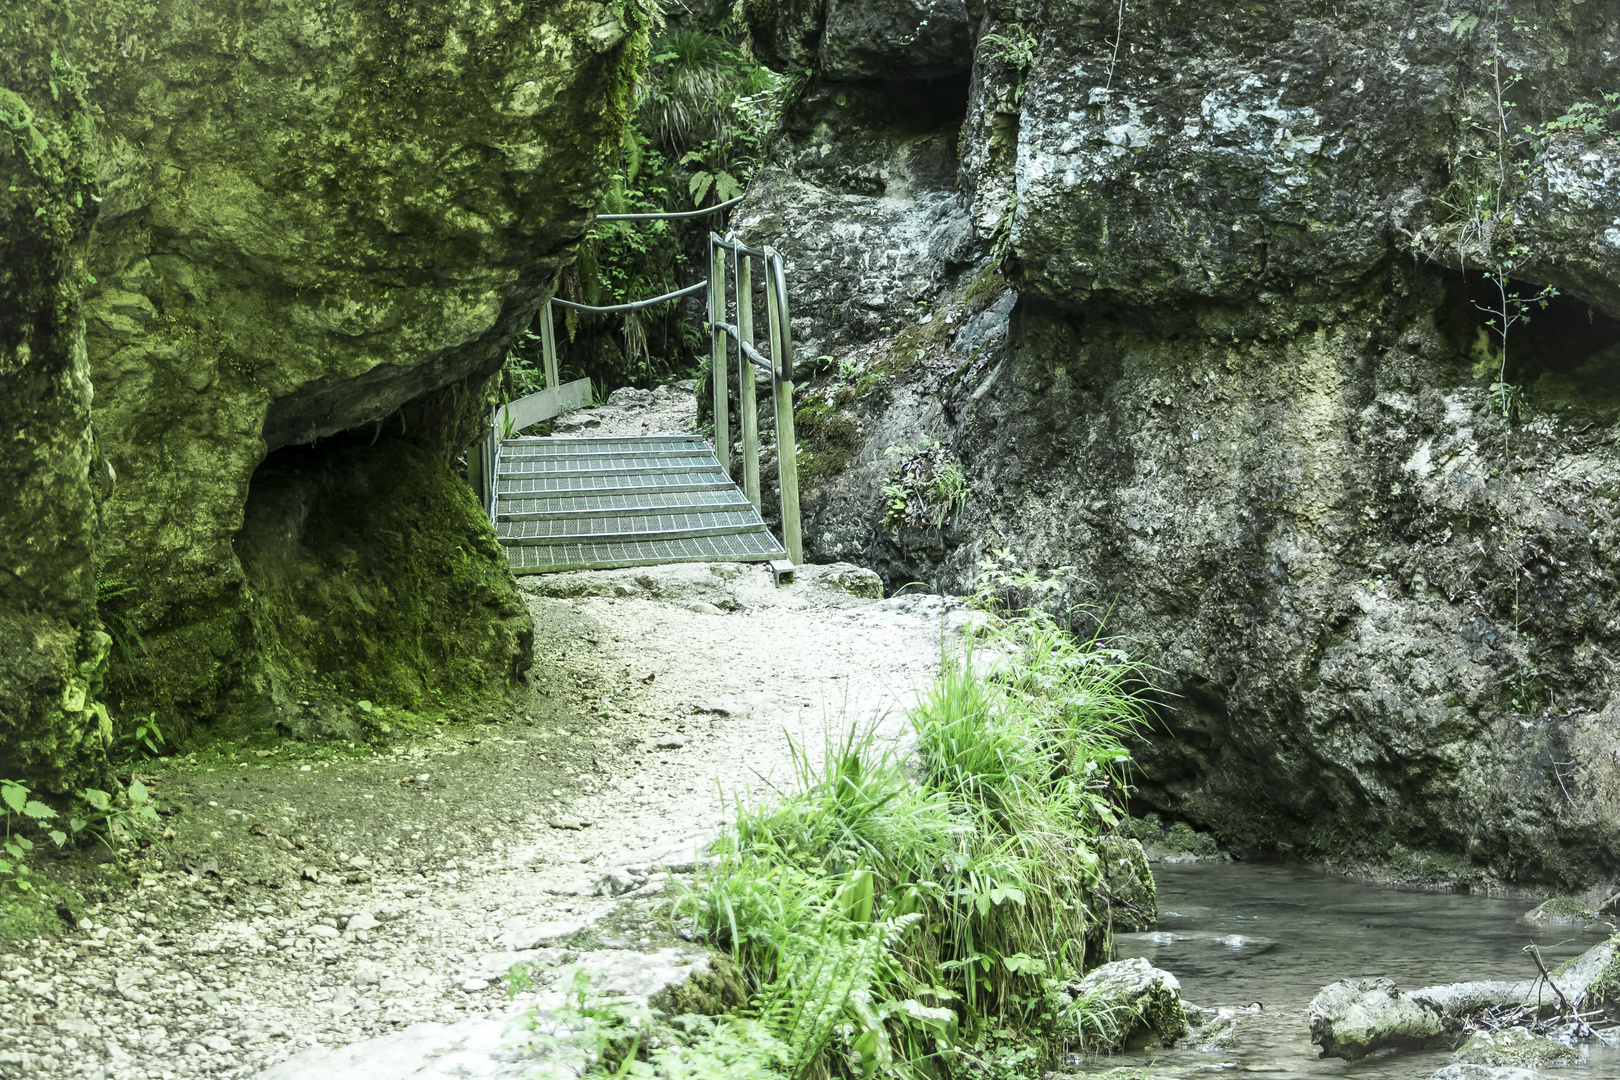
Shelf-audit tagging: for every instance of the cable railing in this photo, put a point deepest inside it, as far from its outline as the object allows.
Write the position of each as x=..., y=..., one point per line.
x=558, y=397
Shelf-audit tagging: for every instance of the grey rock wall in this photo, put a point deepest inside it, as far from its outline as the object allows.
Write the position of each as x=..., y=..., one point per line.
x=1238, y=378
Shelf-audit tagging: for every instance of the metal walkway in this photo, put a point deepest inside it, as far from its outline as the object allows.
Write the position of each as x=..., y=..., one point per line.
x=581, y=503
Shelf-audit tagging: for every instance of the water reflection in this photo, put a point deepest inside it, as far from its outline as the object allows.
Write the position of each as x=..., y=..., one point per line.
x=1238, y=934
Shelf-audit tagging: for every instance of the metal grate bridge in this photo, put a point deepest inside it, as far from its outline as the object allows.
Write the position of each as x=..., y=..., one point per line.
x=583, y=503
x=577, y=504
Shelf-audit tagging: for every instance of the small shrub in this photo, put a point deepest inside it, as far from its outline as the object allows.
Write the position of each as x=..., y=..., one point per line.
x=926, y=486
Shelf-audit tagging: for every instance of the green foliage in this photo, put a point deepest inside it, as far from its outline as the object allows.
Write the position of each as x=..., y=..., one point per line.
x=1593, y=119
x=922, y=926
x=126, y=638
x=704, y=110
x=19, y=809
x=1017, y=52
x=926, y=486
x=115, y=822
x=145, y=741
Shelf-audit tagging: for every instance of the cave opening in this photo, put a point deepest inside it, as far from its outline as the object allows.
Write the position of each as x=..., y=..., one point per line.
x=1564, y=353
x=373, y=575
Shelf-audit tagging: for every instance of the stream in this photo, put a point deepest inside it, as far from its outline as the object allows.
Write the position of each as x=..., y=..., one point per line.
x=1298, y=930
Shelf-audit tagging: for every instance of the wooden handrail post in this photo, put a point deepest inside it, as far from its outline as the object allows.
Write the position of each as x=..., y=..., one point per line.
x=548, y=345
x=745, y=373
x=717, y=363
x=787, y=445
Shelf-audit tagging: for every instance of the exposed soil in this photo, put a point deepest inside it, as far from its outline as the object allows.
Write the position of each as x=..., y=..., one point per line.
x=319, y=895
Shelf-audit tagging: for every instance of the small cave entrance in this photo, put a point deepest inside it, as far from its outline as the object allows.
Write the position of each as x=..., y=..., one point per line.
x=374, y=576
x=1565, y=354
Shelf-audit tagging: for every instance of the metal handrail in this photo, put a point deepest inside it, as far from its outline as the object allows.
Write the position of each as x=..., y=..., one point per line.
x=759, y=360
x=737, y=247
x=615, y=309
x=678, y=215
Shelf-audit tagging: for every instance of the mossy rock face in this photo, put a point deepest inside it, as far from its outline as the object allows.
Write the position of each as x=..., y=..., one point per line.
x=52, y=652
x=317, y=221
x=375, y=575
x=1127, y=884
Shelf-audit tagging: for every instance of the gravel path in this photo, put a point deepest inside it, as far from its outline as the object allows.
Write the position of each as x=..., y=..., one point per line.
x=316, y=900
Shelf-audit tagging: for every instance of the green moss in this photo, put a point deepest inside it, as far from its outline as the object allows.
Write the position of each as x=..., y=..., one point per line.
x=829, y=437
x=716, y=991
x=391, y=589
x=52, y=653
x=28, y=916
x=1515, y=1047
x=1568, y=907
x=987, y=287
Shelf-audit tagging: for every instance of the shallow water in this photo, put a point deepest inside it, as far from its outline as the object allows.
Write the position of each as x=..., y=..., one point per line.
x=1298, y=930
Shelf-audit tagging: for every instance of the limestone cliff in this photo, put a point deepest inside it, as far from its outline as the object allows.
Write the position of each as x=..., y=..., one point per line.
x=320, y=227
x=1237, y=375
x=52, y=655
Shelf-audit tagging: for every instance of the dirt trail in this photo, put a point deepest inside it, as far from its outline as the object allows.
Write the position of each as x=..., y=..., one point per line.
x=658, y=694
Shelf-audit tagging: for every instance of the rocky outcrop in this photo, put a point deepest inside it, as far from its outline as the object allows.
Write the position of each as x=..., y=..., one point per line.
x=1235, y=374
x=52, y=654
x=319, y=231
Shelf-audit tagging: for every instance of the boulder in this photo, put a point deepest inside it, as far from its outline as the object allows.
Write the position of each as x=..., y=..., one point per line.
x=1128, y=1004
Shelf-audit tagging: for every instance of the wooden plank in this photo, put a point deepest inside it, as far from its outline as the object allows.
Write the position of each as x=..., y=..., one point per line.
x=717, y=357
x=548, y=403
x=745, y=389
x=787, y=461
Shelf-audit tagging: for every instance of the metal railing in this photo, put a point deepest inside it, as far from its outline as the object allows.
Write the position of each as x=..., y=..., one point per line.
x=557, y=399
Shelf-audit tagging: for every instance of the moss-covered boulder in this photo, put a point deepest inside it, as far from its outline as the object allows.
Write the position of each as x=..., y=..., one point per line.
x=323, y=226
x=52, y=652
x=1127, y=888
x=1128, y=1004
x=1519, y=1047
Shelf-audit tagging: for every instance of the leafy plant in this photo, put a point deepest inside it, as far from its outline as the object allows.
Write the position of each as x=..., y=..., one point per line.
x=19, y=808
x=126, y=638
x=115, y=822
x=1017, y=52
x=704, y=111
x=926, y=486
x=145, y=741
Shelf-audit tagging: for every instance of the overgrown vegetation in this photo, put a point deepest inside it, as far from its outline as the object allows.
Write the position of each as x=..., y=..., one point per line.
x=115, y=821
x=913, y=918
x=926, y=486
x=705, y=111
